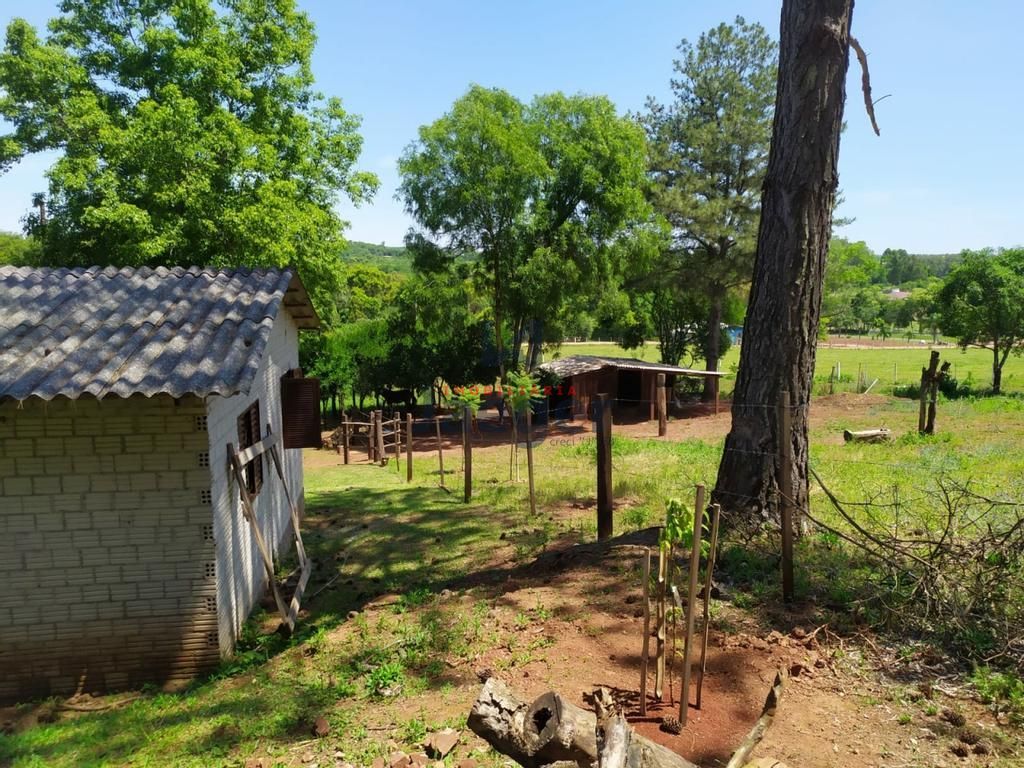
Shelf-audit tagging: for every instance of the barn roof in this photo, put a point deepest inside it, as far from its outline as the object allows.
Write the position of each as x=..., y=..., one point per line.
x=72, y=332
x=574, y=365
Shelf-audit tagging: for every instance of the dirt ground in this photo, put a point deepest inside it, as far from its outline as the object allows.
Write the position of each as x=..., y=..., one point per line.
x=840, y=707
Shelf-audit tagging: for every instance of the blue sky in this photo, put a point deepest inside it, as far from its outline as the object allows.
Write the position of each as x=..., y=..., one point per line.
x=945, y=174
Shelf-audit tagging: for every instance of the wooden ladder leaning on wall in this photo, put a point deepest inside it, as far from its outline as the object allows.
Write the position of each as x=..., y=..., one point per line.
x=237, y=461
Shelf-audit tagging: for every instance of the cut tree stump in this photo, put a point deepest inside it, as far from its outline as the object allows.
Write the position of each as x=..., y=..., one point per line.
x=552, y=730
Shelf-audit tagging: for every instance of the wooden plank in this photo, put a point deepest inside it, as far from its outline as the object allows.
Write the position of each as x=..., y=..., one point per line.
x=257, y=449
x=250, y=515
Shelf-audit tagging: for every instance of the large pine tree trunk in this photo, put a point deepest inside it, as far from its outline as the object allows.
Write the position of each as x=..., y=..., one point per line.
x=780, y=332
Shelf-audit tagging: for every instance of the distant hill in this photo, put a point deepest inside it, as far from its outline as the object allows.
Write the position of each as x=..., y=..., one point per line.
x=385, y=257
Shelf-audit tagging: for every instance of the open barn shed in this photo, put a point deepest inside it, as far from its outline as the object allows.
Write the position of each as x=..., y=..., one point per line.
x=129, y=550
x=630, y=383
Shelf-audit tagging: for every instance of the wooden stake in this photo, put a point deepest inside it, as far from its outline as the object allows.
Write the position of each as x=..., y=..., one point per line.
x=371, y=439
x=660, y=615
x=440, y=450
x=529, y=458
x=408, y=447
x=467, y=454
x=379, y=418
x=344, y=437
x=396, y=436
x=698, y=525
x=662, y=409
x=709, y=573
x=604, y=467
x=786, y=494
x=645, y=658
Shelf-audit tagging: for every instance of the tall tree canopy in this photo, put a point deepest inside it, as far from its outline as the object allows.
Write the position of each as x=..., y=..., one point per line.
x=981, y=303
x=540, y=191
x=709, y=151
x=781, y=327
x=189, y=133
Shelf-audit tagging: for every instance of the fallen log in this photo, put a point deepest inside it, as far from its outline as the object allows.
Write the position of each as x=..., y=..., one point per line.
x=867, y=435
x=552, y=730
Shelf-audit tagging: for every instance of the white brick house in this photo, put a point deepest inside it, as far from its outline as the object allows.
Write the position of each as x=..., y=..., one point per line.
x=123, y=548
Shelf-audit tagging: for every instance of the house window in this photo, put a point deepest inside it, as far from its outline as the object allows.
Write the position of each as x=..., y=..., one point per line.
x=249, y=434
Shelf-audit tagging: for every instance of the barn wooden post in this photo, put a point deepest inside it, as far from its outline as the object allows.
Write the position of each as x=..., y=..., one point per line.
x=467, y=454
x=344, y=437
x=604, y=467
x=440, y=450
x=381, y=455
x=786, y=493
x=408, y=447
x=662, y=415
x=691, y=602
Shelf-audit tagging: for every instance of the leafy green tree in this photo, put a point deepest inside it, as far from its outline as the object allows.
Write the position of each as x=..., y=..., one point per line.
x=540, y=192
x=850, y=265
x=981, y=303
x=709, y=153
x=900, y=267
x=18, y=250
x=189, y=132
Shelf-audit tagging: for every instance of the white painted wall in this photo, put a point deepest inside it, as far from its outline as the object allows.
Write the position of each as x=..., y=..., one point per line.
x=241, y=576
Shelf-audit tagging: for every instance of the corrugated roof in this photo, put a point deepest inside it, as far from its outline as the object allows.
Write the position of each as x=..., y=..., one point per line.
x=70, y=332
x=574, y=365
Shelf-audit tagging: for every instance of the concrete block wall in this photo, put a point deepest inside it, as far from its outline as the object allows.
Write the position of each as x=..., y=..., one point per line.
x=107, y=544
x=241, y=577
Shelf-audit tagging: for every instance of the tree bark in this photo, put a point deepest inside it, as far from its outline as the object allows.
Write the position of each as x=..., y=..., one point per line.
x=997, y=371
x=712, y=352
x=783, y=313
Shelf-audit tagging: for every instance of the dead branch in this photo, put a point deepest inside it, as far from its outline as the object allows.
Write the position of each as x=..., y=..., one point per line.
x=865, y=82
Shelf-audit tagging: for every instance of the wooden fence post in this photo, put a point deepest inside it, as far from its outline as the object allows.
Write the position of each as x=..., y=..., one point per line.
x=785, y=438
x=927, y=377
x=645, y=659
x=344, y=437
x=661, y=622
x=604, y=467
x=467, y=454
x=440, y=450
x=691, y=602
x=716, y=513
x=662, y=407
x=529, y=457
x=371, y=440
x=408, y=447
x=396, y=435
x=381, y=455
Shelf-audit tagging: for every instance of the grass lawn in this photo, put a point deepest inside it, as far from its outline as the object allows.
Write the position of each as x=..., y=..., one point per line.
x=375, y=538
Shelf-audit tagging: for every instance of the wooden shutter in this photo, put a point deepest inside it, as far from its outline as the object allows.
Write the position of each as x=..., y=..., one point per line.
x=249, y=433
x=300, y=412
